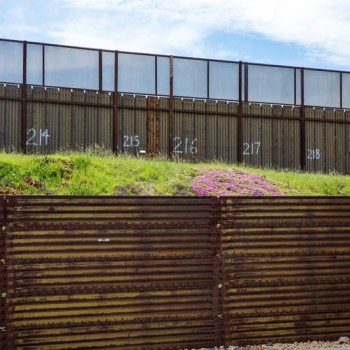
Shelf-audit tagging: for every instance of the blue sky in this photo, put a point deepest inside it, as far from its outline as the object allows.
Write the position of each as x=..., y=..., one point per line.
x=309, y=33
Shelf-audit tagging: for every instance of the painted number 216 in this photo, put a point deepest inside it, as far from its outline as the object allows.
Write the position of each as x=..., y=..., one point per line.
x=185, y=146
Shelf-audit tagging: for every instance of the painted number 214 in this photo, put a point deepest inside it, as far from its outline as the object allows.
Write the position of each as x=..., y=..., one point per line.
x=37, y=137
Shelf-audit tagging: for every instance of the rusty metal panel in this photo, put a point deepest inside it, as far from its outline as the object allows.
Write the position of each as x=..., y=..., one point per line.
x=273, y=141
x=10, y=118
x=157, y=126
x=164, y=106
x=286, y=269
x=61, y=126
x=3, y=275
x=108, y=272
x=210, y=135
x=327, y=140
x=132, y=121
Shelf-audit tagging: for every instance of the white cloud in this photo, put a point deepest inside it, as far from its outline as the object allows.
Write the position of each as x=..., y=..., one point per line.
x=182, y=26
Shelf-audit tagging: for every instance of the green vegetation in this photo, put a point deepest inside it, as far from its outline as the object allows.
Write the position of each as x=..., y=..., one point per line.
x=105, y=174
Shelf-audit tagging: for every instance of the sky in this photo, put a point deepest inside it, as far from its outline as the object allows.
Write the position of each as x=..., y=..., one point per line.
x=305, y=33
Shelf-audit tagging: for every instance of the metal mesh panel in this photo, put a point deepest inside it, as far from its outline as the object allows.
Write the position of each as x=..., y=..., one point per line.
x=136, y=73
x=270, y=84
x=223, y=80
x=73, y=68
x=108, y=76
x=35, y=64
x=11, y=62
x=190, y=78
x=322, y=88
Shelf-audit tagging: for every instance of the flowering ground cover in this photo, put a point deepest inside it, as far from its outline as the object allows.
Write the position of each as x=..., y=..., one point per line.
x=231, y=182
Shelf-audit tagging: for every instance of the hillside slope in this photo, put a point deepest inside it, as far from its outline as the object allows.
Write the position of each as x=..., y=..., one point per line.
x=105, y=174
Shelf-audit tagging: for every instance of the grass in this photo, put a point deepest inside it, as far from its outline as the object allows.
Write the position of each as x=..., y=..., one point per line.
x=104, y=174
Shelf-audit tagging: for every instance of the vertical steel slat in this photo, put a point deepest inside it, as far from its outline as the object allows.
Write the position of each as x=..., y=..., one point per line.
x=171, y=109
x=240, y=116
x=24, y=100
x=100, y=71
x=302, y=125
x=115, y=105
x=218, y=317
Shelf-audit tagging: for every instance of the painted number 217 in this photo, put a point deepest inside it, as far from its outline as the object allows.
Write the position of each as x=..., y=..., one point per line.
x=251, y=148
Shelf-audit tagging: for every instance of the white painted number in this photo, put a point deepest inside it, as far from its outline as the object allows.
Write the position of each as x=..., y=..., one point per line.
x=314, y=154
x=251, y=148
x=37, y=138
x=131, y=141
x=185, y=146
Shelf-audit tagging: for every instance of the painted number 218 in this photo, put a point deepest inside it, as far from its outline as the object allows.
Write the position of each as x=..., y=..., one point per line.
x=314, y=154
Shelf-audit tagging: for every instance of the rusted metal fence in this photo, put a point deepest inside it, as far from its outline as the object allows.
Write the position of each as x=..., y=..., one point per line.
x=172, y=273
x=68, y=120
x=59, y=98
x=126, y=273
x=286, y=269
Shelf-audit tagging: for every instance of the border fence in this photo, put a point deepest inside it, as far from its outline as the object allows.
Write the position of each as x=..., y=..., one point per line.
x=58, y=98
x=172, y=272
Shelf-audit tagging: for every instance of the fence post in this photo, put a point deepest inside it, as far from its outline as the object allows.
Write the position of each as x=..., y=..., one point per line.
x=302, y=125
x=217, y=287
x=100, y=76
x=240, y=117
x=171, y=109
x=24, y=100
x=115, y=105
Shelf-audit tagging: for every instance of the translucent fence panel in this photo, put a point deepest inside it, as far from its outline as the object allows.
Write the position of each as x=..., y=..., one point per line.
x=163, y=75
x=223, y=80
x=35, y=64
x=72, y=68
x=346, y=90
x=322, y=88
x=136, y=73
x=190, y=78
x=108, y=62
x=11, y=62
x=270, y=84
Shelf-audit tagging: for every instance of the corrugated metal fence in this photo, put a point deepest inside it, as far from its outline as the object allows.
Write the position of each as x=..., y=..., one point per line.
x=172, y=272
x=49, y=120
